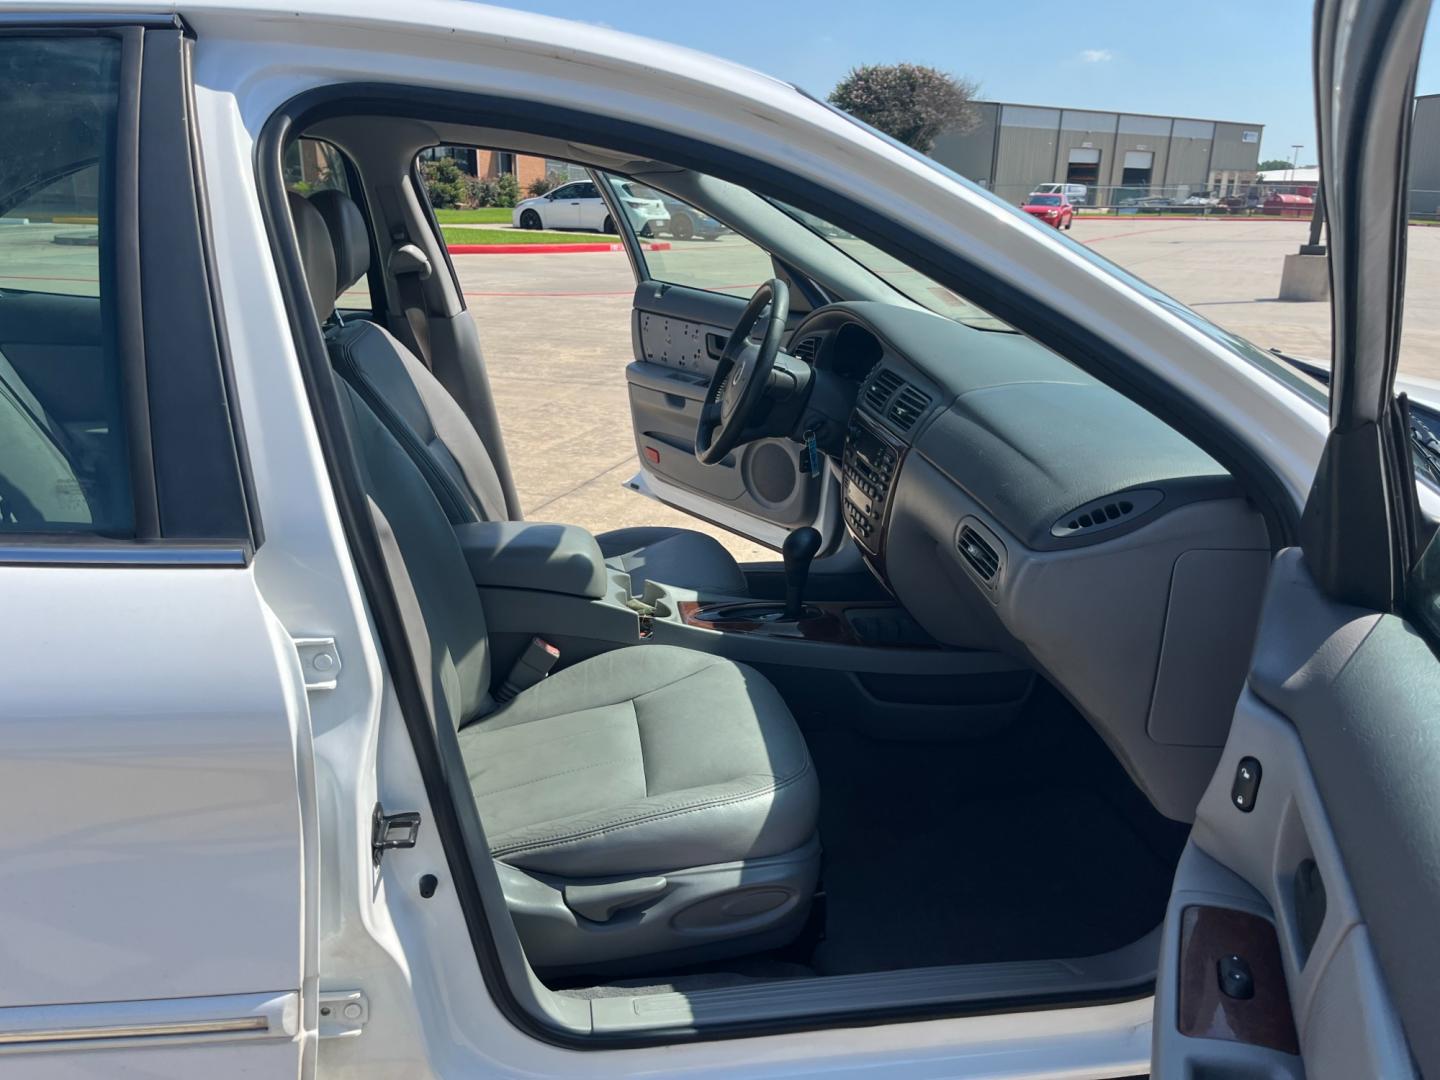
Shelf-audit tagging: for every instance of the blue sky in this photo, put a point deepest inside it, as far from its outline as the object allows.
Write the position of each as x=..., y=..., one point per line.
x=1214, y=59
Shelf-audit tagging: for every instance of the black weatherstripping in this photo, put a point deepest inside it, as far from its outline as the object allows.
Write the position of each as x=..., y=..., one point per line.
x=197, y=474
x=452, y=805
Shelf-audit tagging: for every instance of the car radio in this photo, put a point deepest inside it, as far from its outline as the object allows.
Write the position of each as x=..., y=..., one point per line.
x=870, y=464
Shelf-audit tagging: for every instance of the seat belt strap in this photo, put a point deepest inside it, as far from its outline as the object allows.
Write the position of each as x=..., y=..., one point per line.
x=412, y=299
x=533, y=665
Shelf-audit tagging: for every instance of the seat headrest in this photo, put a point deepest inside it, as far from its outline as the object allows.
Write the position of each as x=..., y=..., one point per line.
x=317, y=254
x=348, y=236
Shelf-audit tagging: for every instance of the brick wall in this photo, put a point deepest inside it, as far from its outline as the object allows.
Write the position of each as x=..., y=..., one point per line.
x=527, y=169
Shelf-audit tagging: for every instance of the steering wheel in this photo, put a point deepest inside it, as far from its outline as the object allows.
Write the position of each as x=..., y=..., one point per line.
x=736, y=393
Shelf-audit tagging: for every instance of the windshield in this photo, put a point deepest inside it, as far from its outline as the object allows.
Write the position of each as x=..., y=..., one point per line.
x=1229, y=339
x=1044, y=200
x=911, y=284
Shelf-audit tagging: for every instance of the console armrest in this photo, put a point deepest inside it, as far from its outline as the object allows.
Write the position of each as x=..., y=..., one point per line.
x=533, y=555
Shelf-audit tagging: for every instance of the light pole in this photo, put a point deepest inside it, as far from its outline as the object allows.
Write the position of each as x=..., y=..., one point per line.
x=1295, y=158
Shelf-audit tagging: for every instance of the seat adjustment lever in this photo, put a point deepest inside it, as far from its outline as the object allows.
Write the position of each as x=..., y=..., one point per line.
x=599, y=902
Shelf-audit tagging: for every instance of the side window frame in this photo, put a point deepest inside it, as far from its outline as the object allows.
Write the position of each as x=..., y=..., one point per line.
x=190, y=482
x=635, y=244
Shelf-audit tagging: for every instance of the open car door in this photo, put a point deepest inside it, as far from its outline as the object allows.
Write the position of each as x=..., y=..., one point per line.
x=1301, y=936
x=694, y=279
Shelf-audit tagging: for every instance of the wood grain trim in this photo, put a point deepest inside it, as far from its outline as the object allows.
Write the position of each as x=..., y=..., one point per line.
x=830, y=625
x=1206, y=935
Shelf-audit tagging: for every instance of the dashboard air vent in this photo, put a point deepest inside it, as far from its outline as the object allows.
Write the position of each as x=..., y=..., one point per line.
x=807, y=349
x=979, y=551
x=1106, y=513
x=907, y=407
x=881, y=388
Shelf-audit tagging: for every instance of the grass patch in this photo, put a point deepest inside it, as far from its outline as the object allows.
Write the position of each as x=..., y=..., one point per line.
x=522, y=236
x=486, y=215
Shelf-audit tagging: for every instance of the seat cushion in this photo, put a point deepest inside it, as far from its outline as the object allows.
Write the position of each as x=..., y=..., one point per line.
x=679, y=557
x=642, y=760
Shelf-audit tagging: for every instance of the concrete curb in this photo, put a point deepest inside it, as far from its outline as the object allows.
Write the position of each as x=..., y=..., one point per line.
x=545, y=249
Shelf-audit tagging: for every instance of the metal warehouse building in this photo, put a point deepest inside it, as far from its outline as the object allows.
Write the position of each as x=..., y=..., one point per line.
x=1118, y=157
x=1425, y=157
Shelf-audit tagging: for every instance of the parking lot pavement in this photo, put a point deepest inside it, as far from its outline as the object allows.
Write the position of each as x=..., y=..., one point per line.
x=556, y=332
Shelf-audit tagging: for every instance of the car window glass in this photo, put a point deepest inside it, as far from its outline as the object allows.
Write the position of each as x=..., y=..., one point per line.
x=63, y=465
x=909, y=282
x=692, y=248
x=313, y=165
x=569, y=191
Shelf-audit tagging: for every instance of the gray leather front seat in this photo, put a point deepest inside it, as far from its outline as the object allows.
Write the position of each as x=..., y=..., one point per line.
x=435, y=431
x=646, y=807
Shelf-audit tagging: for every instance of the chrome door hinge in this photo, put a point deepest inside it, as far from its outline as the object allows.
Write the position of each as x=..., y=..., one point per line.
x=389, y=831
x=319, y=662
x=342, y=1012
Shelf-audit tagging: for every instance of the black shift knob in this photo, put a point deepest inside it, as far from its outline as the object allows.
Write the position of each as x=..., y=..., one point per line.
x=800, y=547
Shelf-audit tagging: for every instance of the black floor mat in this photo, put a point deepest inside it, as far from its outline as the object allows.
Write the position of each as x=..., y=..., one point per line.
x=1027, y=845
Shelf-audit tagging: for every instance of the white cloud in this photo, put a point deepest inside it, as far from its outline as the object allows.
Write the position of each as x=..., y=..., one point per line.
x=1096, y=56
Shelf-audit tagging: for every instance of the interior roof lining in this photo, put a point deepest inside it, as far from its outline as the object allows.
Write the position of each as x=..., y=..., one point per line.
x=425, y=134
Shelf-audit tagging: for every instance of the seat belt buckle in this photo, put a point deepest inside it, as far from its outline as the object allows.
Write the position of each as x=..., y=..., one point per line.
x=533, y=665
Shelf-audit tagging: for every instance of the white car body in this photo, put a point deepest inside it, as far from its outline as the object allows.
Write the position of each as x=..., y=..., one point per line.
x=578, y=205
x=215, y=863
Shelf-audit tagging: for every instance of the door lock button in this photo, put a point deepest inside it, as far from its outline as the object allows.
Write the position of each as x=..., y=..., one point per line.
x=1235, y=978
x=1246, y=786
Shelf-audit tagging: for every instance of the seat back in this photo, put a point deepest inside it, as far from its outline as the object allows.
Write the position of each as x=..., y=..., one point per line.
x=406, y=396
x=428, y=571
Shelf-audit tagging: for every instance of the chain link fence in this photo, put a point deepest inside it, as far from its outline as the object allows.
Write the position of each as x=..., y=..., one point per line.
x=1189, y=200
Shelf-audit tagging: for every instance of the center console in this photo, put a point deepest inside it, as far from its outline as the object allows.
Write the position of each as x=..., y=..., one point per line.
x=869, y=466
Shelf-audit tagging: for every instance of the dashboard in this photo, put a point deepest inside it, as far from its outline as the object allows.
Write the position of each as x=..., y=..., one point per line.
x=1013, y=503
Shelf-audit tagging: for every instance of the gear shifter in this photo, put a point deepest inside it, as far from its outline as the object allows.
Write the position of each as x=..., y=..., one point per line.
x=800, y=547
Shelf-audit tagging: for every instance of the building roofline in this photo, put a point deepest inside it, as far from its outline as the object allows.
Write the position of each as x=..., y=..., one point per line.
x=1123, y=112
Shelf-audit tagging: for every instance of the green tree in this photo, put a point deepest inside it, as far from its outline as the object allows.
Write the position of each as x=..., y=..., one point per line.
x=445, y=182
x=507, y=190
x=908, y=102
x=548, y=182
x=1274, y=163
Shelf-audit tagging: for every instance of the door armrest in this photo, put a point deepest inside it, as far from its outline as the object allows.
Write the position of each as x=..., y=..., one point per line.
x=535, y=556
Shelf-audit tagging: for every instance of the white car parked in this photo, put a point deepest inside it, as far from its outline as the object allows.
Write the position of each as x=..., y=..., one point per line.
x=1086, y=726
x=579, y=205
x=1075, y=194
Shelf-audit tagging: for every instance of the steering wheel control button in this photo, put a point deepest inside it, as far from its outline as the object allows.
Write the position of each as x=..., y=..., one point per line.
x=1236, y=981
x=1246, y=787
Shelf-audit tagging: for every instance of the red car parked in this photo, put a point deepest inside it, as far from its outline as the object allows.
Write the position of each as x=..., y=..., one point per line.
x=1052, y=209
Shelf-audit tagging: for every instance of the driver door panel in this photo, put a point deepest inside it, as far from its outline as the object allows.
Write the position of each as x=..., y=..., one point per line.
x=1327, y=859
x=760, y=490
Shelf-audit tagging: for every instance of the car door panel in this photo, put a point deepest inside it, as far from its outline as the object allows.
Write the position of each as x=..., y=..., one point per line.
x=1315, y=854
x=161, y=875
x=563, y=210
x=1338, y=847
x=678, y=333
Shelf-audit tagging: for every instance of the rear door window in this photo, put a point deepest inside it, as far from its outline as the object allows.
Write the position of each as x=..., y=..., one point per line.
x=63, y=460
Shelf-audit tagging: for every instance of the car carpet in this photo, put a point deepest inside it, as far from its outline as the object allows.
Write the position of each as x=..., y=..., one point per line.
x=1030, y=844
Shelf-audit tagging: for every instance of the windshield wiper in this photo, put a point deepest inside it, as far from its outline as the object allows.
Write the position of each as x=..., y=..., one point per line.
x=1427, y=444
x=1422, y=438
x=1305, y=367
